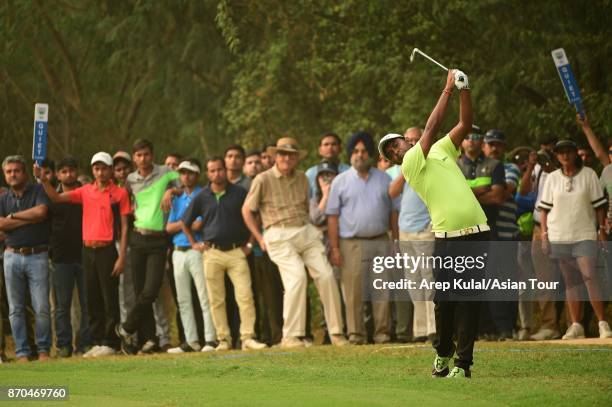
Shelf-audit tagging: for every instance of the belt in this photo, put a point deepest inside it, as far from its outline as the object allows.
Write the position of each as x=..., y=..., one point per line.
x=96, y=244
x=369, y=238
x=27, y=251
x=287, y=225
x=182, y=248
x=223, y=247
x=462, y=232
x=149, y=232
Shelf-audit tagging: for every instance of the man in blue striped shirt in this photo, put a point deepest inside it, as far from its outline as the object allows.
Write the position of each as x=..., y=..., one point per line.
x=504, y=313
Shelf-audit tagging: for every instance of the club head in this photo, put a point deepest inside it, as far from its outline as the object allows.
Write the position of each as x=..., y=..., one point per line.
x=414, y=51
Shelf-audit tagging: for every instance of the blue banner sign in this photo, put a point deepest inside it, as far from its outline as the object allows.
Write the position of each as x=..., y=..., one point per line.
x=41, y=122
x=567, y=79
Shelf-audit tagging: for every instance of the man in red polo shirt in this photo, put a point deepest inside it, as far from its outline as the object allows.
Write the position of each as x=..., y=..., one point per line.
x=101, y=262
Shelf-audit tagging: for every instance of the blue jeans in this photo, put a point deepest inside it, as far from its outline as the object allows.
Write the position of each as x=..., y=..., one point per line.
x=63, y=277
x=21, y=272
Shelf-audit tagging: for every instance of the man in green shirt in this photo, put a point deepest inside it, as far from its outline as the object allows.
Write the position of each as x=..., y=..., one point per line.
x=148, y=245
x=458, y=221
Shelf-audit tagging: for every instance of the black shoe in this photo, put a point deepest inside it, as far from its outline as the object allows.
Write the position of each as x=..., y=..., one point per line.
x=420, y=339
x=127, y=341
x=505, y=336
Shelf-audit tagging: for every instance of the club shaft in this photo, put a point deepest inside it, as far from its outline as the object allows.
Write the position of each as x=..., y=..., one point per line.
x=431, y=59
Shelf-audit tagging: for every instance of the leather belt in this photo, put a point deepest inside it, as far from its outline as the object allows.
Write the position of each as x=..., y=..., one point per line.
x=182, y=248
x=149, y=232
x=27, y=251
x=96, y=244
x=462, y=232
x=223, y=248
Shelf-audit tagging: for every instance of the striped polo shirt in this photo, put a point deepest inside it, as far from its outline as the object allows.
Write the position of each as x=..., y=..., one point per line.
x=506, y=226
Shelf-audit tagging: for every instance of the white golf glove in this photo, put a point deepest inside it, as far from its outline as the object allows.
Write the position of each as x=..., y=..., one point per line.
x=461, y=80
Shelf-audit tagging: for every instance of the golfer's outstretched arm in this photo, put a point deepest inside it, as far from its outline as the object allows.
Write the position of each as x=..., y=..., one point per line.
x=437, y=115
x=466, y=117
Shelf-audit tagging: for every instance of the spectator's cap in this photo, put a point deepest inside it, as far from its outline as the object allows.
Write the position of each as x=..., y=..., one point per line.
x=365, y=138
x=565, y=143
x=383, y=142
x=495, y=136
x=188, y=166
x=475, y=134
x=122, y=155
x=103, y=158
x=520, y=154
x=327, y=167
x=289, y=145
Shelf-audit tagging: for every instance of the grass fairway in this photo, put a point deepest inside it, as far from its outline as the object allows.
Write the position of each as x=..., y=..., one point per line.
x=504, y=374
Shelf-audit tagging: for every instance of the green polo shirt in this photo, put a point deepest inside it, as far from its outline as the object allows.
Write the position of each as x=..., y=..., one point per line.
x=441, y=185
x=147, y=193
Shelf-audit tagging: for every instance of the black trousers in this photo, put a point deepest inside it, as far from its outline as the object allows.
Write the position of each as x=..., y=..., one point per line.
x=268, y=289
x=457, y=312
x=148, y=255
x=102, y=294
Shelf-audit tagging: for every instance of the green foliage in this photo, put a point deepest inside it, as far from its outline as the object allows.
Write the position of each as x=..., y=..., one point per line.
x=196, y=75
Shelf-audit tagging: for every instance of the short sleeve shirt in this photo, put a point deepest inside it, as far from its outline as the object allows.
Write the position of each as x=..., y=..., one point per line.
x=148, y=193
x=281, y=200
x=98, y=217
x=579, y=196
x=442, y=187
x=363, y=206
x=31, y=235
x=179, y=206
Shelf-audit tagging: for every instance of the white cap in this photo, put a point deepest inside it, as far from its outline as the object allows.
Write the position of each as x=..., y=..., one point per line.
x=189, y=166
x=383, y=142
x=103, y=158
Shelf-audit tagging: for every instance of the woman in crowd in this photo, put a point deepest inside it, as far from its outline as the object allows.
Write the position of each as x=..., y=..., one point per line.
x=572, y=205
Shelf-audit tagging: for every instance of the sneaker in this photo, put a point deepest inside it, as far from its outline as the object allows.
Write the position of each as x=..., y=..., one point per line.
x=64, y=352
x=253, y=344
x=575, y=331
x=184, y=348
x=91, y=352
x=104, y=351
x=440, y=366
x=291, y=342
x=339, y=340
x=545, y=334
x=459, y=372
x=222, y=346
x=604, y=330
x=208, y=347
x=22, y=359
x=523, y=334
x=43, y=357
x=148, y=348
x=307, y=342
x=128, y=347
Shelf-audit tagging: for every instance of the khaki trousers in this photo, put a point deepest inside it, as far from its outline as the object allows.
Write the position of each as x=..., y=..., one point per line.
x=354, y=273
x=424, y=319
x=545, y=269
x=216, y=264
x=292, y=249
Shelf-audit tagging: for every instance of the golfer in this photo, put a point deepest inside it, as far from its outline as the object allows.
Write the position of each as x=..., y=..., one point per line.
x=431, y=170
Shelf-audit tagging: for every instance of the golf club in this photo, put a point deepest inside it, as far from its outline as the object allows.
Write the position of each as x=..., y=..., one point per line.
x=414, y=51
